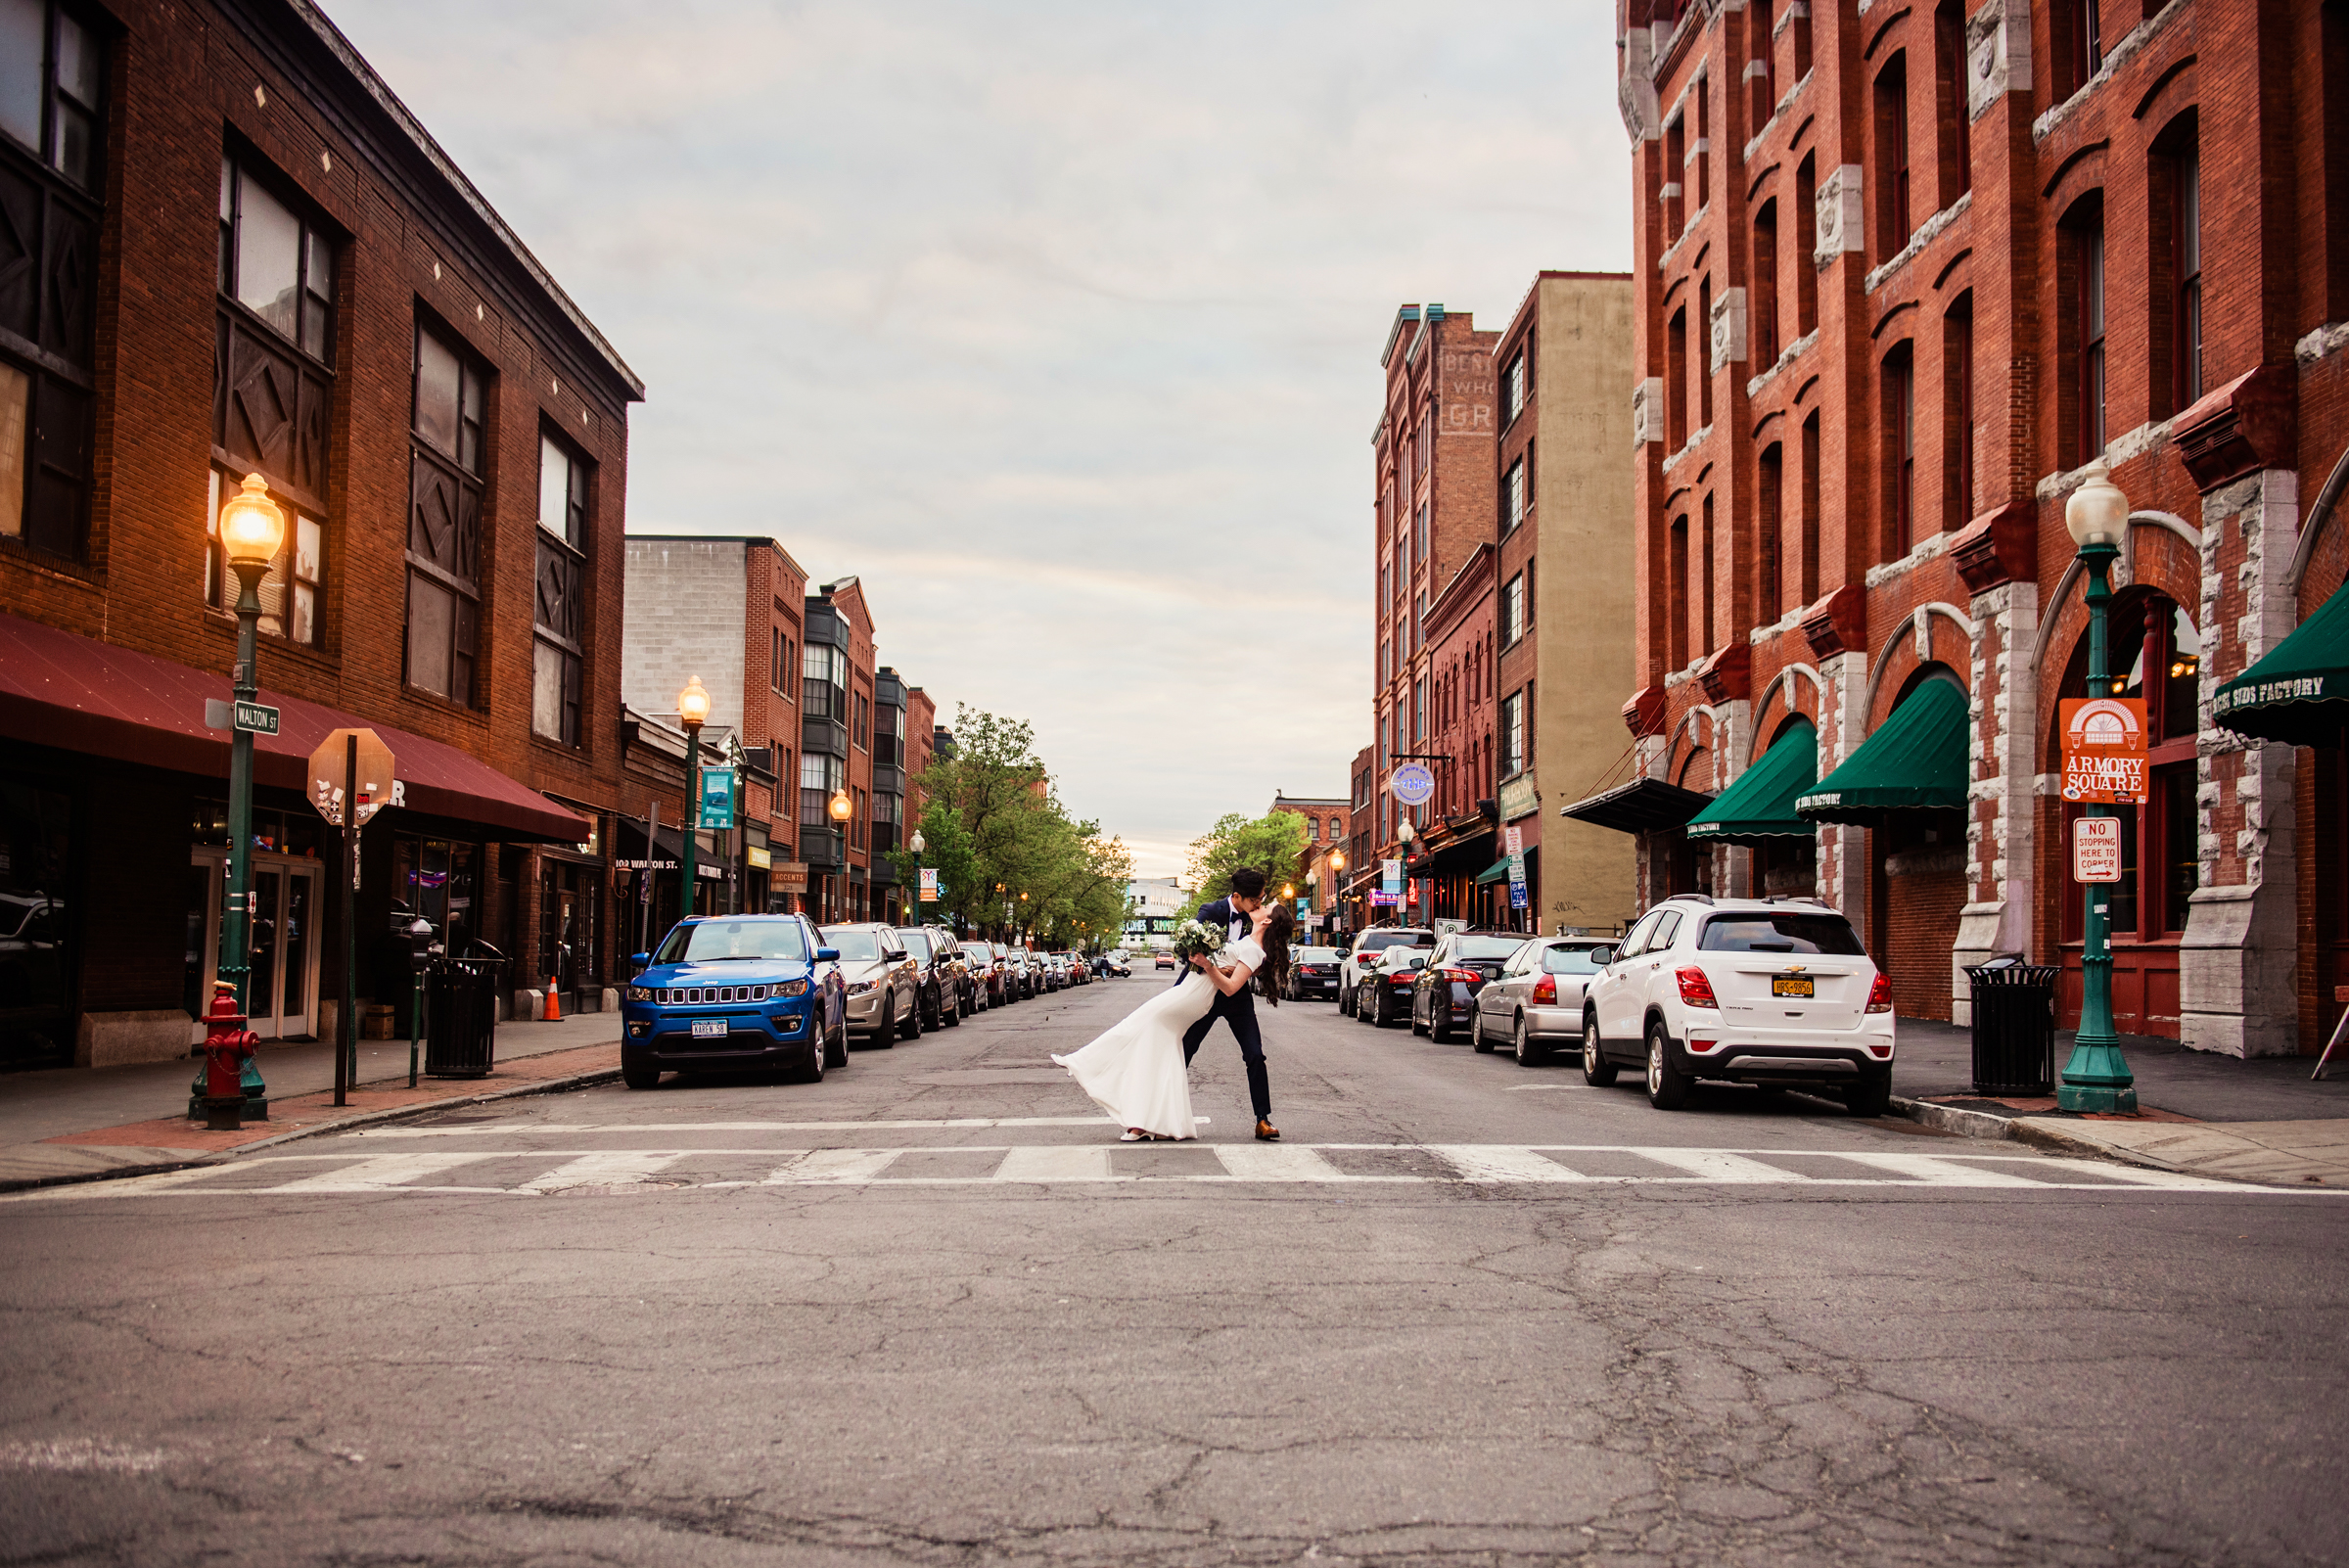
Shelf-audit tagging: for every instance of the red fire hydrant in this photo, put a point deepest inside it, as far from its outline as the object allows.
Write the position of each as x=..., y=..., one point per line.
x=227, y=1048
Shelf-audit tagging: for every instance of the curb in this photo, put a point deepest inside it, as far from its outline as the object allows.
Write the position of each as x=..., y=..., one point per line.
x=396, y=1112
x=2033, y=1132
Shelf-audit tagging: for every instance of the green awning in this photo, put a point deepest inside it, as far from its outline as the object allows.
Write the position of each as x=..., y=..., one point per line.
x=1914, y=762
x=1759, y=809
x=2299, y=693
x=1497, y=871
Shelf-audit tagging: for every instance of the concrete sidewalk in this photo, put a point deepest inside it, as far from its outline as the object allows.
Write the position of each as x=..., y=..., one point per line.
x=71, y=1123
x=2261, y=1121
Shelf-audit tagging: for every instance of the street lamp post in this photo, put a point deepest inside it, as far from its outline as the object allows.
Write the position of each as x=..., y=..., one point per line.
x=1404, y=833
x=918, y=846
x=251, y=528
x=693, y=706
x=841, y=808
x=2096, y=1078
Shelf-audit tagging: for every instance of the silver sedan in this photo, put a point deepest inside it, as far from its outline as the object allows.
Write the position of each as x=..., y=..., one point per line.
x=1536, y=1001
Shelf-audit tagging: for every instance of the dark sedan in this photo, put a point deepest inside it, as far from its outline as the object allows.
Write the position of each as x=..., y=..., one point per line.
x=1313, y=973
x=938, y=992
x=1445, y=997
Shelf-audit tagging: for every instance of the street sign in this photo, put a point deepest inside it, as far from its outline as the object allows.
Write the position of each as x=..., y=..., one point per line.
x=717, y=797
x=1381, y=898
x=1412, y=783
x=788, y=876
x=1512, y=841
x=1519, y=798
x=2104, y=749
x=1517, y=894
x=2096, y=849
x=929, y=885
x=373, y=787
x=259, y=717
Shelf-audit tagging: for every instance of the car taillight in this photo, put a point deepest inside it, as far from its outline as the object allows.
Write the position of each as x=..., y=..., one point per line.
x=1546, y=990
x=1695, y=989
x=1468, y=976
x=1879, y=995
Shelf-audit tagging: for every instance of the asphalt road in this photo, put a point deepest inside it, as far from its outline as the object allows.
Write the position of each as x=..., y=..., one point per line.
x=1464, y=1312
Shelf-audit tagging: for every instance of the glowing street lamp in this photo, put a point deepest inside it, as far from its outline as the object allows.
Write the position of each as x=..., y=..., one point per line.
x=252, y=530
x=693, y=706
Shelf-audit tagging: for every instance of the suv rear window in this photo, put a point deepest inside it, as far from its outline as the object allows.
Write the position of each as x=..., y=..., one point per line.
x=1381, y=941
x=1487, y=947
x=1781, y=932
x=1568, y=961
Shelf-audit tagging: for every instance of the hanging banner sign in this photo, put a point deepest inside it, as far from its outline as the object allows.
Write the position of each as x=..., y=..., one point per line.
x=2096, y=849
x=2105, y=750
x=717, y=797
x=1412, y=783
x=1390, y=874
x=929, y=885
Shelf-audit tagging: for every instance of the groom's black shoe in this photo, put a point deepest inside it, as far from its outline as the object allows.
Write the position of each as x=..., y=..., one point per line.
x=1266, y=1131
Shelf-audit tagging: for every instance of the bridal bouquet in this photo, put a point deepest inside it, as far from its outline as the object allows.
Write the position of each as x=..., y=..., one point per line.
x=1194, y=938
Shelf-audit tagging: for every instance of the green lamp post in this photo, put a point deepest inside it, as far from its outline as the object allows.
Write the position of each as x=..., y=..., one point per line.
x=693, y=706
x=2096, y=1078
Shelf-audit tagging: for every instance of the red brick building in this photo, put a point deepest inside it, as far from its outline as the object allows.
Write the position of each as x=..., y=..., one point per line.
x=235, y=251
x=1318, y=877
x=1461, y=844
x=1433, y=473
x=1902, y=273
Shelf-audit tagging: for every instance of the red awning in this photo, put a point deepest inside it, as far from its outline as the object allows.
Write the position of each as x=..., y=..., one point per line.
x=80, y=694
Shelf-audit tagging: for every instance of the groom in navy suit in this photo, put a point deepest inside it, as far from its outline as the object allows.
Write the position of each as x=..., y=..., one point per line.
x=1232, y=912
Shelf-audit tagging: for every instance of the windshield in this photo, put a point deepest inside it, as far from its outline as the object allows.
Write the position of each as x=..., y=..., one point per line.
x=1568, y=961
x=916, y=942
x=1781, y=932
x=1403, y=958
x=856, y=946
x=717, y=939
x=1381, y=941
x=1316, y=955
x=979, y=953
x=1487, y=947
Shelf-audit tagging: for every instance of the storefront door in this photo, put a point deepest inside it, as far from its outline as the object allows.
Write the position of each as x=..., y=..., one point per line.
x=282, y=991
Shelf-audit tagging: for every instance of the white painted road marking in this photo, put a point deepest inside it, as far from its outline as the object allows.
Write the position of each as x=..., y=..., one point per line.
x=508, y=1129
x=1281, y=1164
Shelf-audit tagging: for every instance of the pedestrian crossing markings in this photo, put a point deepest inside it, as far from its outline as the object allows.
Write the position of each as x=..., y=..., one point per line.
x=542, y=1173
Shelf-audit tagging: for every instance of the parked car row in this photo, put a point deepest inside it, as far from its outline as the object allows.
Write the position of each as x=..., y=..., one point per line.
x=1772, y=991
x=753, y=992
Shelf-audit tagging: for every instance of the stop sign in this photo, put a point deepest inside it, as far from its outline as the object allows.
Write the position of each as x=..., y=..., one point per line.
x=332, y=782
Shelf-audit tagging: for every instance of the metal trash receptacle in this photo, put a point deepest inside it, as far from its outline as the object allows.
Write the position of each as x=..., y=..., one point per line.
x=2015, y=1026
x=460, y=1012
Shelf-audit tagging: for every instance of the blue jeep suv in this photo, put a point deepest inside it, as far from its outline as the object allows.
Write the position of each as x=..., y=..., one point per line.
x=734, y=993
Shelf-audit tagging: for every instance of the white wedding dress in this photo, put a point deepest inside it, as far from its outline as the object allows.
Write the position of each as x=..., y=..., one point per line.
x=1135, y=1071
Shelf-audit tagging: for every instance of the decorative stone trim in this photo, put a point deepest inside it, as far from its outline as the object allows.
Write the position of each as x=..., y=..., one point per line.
x=2116, y=59
x=2329, y=340
x=1786, y=103
x=1997, y=55
x=1927, y=233
x=1726, y=329
x=1930, y=547
x=2135, y=443
x=1842, y=217
x=1793, y=352
x=1696, y=226
x=1695, y=442
x=1648, y=411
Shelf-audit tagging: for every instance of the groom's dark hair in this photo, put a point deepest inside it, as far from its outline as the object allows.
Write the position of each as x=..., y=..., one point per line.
x=1248, y=882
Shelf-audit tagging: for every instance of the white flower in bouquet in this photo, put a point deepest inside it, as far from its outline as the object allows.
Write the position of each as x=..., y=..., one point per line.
x=1194, y=938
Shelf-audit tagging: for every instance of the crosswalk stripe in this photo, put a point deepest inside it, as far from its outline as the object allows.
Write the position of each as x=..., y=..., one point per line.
x=620, y=1169
x=384, y=1173
x=1486, y=1162
x=1715, y=1165
x=1276, y=1162
x=1068, y=1162
x=567, y=1129
x=834, y=1166
x=1932, y=1170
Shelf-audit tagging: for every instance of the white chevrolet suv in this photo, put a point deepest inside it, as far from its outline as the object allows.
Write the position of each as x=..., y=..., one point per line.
x=1776, y=992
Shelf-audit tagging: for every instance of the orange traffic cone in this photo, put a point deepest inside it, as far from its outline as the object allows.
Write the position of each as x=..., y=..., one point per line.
x=554, y=1002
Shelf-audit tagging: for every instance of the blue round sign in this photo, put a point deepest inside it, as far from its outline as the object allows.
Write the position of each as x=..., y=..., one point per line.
x=1412, y=784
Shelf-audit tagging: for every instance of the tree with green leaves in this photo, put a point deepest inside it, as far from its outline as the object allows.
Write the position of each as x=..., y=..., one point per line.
x=1270, y=843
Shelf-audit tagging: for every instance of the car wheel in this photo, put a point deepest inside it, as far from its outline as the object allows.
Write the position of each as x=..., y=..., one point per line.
x=639, y=1075
x=1345, y=1002
x=1667, y=1086
x=1597, y=1071
x=1870, y=1096
x=886, y=1034
x=914, y=1018
x=837, y=1046
x=955, y=1012
x=814, y=1072
x=1530, y=1051
x=1428, y=1027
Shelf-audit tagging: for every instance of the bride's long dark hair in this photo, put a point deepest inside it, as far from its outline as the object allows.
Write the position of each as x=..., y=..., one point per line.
x=1272, y=976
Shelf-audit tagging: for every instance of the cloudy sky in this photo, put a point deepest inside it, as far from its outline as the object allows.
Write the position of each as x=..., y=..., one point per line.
x=1055, y=321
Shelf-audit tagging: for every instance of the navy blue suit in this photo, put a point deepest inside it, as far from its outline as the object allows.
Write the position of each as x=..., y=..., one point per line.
x=1239, y=1011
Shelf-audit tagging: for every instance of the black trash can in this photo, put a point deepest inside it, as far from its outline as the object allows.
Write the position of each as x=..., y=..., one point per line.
x=2015, y=1026
x=460, y=1010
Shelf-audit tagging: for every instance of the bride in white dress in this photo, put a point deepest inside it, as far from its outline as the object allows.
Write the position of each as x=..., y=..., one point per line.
x=1135, y=1071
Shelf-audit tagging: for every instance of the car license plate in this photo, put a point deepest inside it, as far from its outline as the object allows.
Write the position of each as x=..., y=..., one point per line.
x=1792, y=985
x=709, y=1028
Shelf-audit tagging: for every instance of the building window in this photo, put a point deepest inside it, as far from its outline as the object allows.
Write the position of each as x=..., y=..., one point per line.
x=52, y=87
x=1958, y=413
x=1512, y=390
x=2083, y=249
x=1810, y=508
x=558, y=647
x=1765, y=285
x=1761, y=70
x=1770, y=497
x=1706, y=596
x=1513, y=735
x=1892, y=157
x=1800, y=25
x=445, y=463
x=856, y=819
x=820, y=778
x=1676, y=381
x=1512, y=498
x=1419, y=710
x=1806, y=243
x=1676, y=592
x=1676, y=163
x=824, y=680
x=864, y=722
x=1900, y=451
x=1703, y=150
x=1957, y=147
x=1700, y=364
x=2185, y=248
x=1512, y=611
x=2079, y=45
x=1422, y=533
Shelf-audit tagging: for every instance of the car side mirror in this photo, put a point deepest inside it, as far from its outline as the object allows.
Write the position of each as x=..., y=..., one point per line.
x=827, y=955
x=1602, y=956
x=641, y=962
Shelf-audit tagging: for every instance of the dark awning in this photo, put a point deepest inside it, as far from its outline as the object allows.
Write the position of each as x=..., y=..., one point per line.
x=2299, y=693
x=1758, y=810
x=1643, y=805
x=81, y=695
x=1914, y=762
x=1497, y=871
